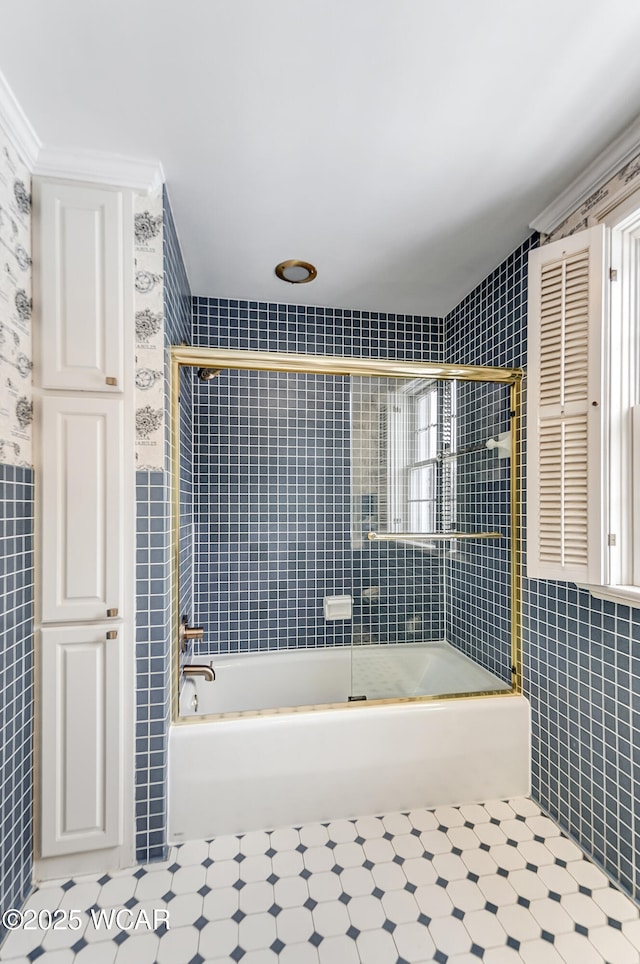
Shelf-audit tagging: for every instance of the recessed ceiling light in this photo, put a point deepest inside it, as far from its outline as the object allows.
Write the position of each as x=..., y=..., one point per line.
x=296, y=272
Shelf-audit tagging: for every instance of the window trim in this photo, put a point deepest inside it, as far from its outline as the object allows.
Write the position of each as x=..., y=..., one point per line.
x=401, y=455
x=414, y=463
x=622, y=442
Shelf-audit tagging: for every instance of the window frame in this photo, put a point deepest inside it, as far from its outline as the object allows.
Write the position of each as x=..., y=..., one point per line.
x=402, y=457
x=621, y=446
x=416, y=431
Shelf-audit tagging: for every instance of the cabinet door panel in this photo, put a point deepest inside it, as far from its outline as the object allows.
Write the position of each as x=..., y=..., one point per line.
x=81, y=535
x=80, y=753
x=83, y=248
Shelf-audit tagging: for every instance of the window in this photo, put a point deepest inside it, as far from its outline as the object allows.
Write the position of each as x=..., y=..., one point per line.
x=421, y=473
x=622, y=453
x=422, y=466
x=450, y=459
x=583, y=423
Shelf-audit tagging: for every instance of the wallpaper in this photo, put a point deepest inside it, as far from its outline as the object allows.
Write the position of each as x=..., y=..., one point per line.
x=149, y=321
x=590, y=211
x=16, y=409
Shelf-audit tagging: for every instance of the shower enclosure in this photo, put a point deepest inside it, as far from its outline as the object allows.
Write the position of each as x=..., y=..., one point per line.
x=334, y=521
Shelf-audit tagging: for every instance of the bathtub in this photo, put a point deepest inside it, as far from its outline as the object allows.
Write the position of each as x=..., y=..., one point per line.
x=251, y=770
x=260, y=681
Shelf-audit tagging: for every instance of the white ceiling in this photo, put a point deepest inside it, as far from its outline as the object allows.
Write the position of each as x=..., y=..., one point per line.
x=401, y=146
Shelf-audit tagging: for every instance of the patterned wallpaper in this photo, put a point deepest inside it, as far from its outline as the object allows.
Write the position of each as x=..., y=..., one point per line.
x=15, y=307
x=589, y=213
x=16, y=410
x=149, y=319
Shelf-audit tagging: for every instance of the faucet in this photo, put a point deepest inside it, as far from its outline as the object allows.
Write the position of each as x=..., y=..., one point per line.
x=199, y=669
x=187, y=632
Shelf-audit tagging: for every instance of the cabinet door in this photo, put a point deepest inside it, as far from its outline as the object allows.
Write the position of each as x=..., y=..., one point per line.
x=82, y=508
x=84, y=250
x=81, y=737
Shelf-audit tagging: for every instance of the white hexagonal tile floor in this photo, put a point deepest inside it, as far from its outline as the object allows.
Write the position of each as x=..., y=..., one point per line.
x=495, y=883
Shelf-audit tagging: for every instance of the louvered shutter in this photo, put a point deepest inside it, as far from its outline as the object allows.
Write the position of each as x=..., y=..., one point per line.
x=566, y=405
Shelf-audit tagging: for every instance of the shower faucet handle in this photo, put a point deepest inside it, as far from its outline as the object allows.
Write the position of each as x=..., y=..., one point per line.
x=188, y=632
x=193, y=632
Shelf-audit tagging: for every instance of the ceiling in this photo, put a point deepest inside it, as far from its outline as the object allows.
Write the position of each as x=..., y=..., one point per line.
x=401, y=146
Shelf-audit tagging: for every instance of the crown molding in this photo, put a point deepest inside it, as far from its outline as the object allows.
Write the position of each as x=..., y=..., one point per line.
x=17, y=126
x=100, y=168
x=622, y=150
x=76, y=165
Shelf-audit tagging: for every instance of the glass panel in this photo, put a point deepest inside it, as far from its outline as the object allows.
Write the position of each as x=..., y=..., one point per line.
x=282, y=478
x=421, y=622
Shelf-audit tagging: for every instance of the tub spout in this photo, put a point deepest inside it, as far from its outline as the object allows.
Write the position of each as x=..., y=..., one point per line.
x=199, y=669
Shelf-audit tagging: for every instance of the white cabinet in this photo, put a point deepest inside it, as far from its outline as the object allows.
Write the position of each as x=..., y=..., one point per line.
x=82, y=279
x=84, y=403
x=82, y=503
x=81, y=716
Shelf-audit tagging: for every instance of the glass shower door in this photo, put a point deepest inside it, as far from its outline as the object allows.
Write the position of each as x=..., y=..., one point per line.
x=398, y=609
x=421, y=469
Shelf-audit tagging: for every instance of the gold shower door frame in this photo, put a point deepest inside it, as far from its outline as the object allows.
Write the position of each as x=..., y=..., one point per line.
x=218, y=358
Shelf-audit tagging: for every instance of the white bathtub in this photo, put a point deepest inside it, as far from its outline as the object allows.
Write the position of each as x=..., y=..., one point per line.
x=250, y=772
x=258, y=681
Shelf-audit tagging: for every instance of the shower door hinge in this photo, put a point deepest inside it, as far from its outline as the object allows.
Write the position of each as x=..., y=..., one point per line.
x=613, y=274
x=611, y=539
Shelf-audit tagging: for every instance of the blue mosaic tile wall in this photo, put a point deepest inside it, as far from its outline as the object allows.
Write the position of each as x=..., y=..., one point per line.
x=153, y=651
x=478, y=573
x=16, y=685
x=262, y=326
x=186, y=601
x=154, y=619
x=410, y=606
x=272, y=487
x=487, y=328
x=271, y=465
x=581, y=654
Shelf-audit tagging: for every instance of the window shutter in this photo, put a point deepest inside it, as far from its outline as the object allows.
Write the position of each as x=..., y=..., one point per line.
x=566, y=403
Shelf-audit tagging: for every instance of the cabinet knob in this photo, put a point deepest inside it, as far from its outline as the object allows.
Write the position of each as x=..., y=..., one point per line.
x=111, y=613
x=110, y=380
x=112, y=634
